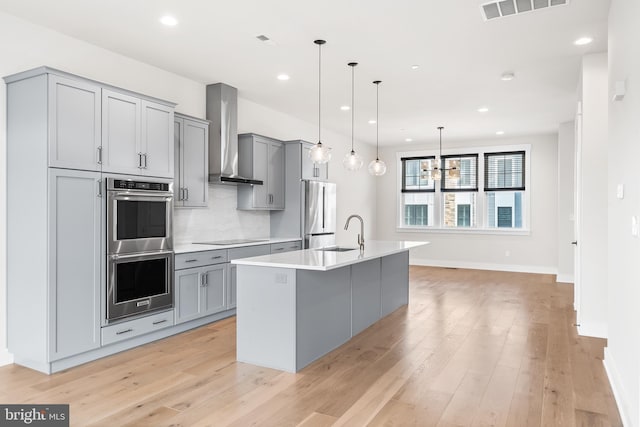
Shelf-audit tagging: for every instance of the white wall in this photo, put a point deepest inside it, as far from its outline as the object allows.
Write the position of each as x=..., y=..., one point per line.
x=592, y=188
x=622, y=354
x=24, y=46
x=566, y=232
x=536, y=252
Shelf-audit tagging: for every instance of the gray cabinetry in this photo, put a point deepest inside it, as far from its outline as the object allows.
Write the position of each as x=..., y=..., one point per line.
x=121, y=133
x=75, y=255
x=365, y=295
x=232, y=281
x=74, y=124
x=191, y=161
x=261, y=158
x=137, y=135
x=286, y=246
x=200, y=291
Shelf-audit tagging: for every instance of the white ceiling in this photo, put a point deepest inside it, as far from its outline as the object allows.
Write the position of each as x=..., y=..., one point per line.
x=461, y=57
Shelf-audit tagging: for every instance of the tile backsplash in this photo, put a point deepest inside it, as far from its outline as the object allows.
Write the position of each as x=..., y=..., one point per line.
x=220, y=220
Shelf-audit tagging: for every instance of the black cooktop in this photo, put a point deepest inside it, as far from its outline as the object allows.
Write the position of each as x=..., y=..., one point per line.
x=231, y=242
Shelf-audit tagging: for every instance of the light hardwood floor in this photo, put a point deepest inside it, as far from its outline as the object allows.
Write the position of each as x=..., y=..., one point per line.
x=473, y=348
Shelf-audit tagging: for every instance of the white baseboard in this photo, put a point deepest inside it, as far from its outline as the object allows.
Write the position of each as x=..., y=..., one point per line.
x=6, y=358
x=617, y=387
x=484, y=266
x=593, y=329
x=565, y=278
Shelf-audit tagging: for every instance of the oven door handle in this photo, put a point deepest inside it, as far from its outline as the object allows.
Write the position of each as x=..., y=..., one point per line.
x=142, y=197
x=158, y=254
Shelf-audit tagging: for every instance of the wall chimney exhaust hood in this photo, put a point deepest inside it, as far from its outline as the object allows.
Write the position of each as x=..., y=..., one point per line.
x=222, y=111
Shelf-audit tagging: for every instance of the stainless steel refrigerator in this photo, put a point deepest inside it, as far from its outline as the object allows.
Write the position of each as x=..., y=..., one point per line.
x=319, y=214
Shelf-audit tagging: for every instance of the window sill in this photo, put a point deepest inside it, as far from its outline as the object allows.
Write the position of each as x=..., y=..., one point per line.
x=447, y=230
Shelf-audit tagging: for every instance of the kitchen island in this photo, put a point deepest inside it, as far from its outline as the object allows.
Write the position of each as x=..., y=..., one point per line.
x=295, y=307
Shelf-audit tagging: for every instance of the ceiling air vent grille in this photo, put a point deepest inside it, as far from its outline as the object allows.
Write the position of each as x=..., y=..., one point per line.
x=501, y=8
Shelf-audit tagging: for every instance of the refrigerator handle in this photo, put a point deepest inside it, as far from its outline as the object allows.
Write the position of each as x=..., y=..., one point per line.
x=324, y=198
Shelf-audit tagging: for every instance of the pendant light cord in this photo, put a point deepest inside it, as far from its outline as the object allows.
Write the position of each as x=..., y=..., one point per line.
x=352, y=102
x=319, y=90
x=377, y=83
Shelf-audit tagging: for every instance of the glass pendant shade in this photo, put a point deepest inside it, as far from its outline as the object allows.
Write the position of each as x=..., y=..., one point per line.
x=453, y=174
x=377, y=167
x=435, y=174
x=352, y=161
x=320, y=154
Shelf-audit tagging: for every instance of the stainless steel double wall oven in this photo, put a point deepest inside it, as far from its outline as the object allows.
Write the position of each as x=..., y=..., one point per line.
x=139, y=247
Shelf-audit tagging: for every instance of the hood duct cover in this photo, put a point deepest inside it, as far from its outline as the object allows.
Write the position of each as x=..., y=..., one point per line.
x=502, y=8
x=222, y=111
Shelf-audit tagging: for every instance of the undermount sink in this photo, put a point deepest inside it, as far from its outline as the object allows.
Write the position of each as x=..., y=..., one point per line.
x=336, y=249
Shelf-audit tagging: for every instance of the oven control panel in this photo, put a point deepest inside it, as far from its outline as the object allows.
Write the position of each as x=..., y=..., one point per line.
x=125, y=184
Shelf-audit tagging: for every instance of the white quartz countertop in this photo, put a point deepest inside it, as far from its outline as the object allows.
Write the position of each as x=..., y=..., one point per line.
x=315, y=259
x=197, y=247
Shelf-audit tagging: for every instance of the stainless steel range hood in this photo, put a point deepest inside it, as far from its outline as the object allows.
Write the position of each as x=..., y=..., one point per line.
x=222, y=111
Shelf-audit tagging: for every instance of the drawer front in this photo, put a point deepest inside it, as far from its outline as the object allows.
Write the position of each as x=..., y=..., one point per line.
x=198, y=259
x=133, y=328
x=249, y=251
x=286, y=247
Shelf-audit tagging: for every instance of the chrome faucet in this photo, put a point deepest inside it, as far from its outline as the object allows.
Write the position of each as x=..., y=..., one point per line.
x=361, y=235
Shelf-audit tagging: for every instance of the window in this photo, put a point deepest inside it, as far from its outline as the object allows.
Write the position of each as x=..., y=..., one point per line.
x=504, y=186
x=459, y=193
x=417, y=191
x=480, y=188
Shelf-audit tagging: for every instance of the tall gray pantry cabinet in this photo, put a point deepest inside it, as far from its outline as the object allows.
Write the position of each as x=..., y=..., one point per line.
x=63, y=132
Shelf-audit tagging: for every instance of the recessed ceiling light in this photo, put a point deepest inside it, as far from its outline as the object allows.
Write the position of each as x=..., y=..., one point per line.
x=169, y=21
x=507, y=76
x=583, y=41
x=345, y=108
x=483, y=109
x=283, y=77
x=500, y=132
x=408, y=139
x=372, y=122
x=415, y=66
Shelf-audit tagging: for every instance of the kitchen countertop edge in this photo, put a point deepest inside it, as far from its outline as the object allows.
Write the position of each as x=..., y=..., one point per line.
x=184, y=248
x=314, y=259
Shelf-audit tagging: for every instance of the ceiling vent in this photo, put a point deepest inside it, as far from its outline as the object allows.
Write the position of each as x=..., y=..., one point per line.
x=501, y=8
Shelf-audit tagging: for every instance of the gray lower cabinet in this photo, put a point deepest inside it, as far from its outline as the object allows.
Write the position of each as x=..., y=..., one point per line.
x=191, y=149
x=54, y=260
x=261, y=158
x=200, y=291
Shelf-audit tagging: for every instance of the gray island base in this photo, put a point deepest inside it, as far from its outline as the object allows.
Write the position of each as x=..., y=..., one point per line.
x=294, y=308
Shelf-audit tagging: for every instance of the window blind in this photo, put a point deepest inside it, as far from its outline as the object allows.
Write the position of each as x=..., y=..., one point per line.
x=504, y=171
x=415, y=178
x=468, y=165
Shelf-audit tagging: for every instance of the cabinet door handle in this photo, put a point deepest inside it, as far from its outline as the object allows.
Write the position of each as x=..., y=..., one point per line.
x=216, y=257
x=186, y=189
x=126, y=331
x=100, y=155
x=205, y=280
x=316, y=172
x=157, y=322
x=278, y=249
x=99, y=187
x=139, y=160
x=190, y=260
x=145, y=160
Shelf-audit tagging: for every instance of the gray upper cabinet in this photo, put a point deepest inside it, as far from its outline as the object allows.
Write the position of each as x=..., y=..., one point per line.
x=137, y=135
x=157, y=139
x=121, y=133
x=191, y=147
x=74, y=124
x=261, y=158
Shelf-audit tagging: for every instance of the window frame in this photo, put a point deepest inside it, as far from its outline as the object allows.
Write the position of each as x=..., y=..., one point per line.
x=481, y=217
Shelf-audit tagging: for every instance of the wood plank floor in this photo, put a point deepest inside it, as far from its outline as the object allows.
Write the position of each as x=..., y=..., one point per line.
x=473, y=348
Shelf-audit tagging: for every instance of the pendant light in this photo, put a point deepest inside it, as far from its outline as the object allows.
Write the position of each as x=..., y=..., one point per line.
x=436, y=170
x=352, y=161
x=377, y=167
x=319, y=153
